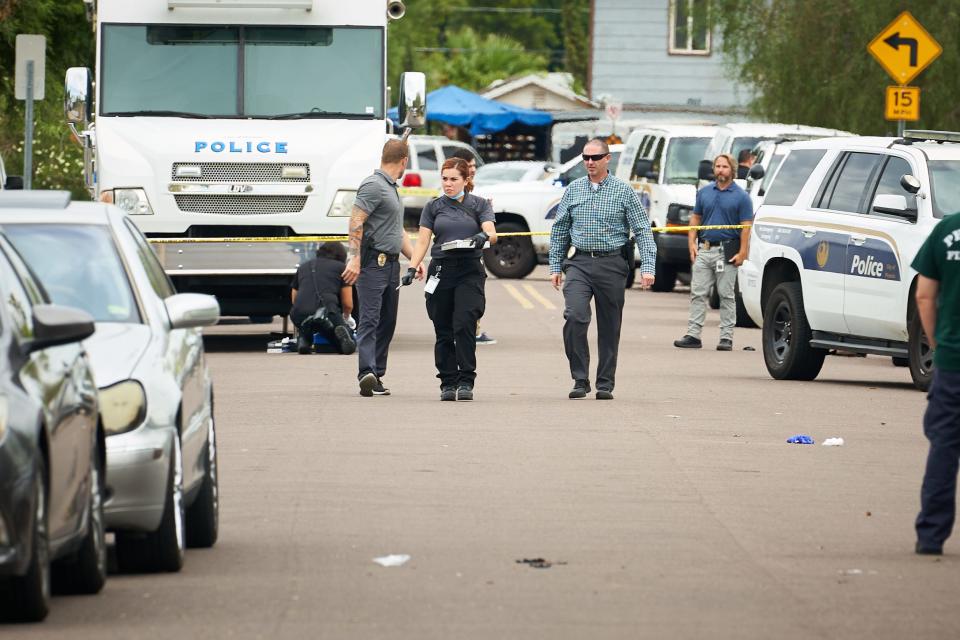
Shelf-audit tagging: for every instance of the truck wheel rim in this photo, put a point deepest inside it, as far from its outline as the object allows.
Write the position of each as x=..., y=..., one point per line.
x=782, y=332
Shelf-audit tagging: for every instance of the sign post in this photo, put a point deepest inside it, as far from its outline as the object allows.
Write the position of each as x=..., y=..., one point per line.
x=30, y=73
x=904, y=49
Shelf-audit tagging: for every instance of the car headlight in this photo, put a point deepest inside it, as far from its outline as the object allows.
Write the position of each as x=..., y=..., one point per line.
x=133, y=201
x=122, y=406
x=342, y=204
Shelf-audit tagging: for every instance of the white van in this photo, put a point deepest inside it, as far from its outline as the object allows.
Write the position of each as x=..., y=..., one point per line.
x=661, y=162
x=734, y=137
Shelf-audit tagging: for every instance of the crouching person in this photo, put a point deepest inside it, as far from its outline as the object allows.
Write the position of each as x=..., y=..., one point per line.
x=322, y=301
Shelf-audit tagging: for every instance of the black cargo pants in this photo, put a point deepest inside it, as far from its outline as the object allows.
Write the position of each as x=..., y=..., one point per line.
x=455, y=307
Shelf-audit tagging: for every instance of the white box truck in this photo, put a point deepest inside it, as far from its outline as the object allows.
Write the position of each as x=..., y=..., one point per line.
x=235, y=118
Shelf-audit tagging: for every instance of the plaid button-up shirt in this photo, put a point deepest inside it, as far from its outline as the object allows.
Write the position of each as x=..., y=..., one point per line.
x=601, y=220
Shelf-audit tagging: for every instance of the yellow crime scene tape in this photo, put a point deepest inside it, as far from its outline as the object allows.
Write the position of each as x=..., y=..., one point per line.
x=344, y=238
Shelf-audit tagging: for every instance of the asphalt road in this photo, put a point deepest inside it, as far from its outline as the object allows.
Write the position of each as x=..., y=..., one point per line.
x=675, y=511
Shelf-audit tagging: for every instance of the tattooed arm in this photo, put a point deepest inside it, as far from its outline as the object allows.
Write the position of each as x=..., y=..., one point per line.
x=357, y=217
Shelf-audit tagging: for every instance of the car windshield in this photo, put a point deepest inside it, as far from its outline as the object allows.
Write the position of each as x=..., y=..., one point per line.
x=739, y=144
x=945, y=187
x=79, y=266
x=495, y=174
x=234, y=71
x=683, y=160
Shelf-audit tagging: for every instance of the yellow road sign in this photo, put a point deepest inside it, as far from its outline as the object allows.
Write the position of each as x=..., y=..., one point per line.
x=904, y=48
x=903, y=103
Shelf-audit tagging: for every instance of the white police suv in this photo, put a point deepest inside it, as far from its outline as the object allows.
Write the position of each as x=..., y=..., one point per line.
x=831, y=247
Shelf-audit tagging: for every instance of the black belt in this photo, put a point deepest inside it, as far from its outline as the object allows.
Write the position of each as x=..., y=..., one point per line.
x=601, y=254
x=373, y=254
x=709, y=244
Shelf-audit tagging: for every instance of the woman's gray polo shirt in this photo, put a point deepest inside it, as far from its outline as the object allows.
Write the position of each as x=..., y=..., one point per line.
x=452, y=220
x=378, y=198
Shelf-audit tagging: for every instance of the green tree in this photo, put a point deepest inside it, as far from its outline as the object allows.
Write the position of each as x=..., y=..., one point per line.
x=57, y=158
x=807, y=60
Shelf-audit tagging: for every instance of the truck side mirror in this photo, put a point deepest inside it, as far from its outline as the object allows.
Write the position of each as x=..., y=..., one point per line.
x=642, y=168
x=77, y=94
x=14, y=183
x=909, y=183
x=705, y=170
x=757, y=172
x=412, y=110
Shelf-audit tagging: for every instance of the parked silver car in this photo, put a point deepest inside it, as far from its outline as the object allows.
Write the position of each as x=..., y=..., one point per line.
x=156, y=396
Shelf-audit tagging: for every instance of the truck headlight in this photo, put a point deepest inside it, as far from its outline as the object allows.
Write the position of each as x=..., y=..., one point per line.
x=122, y=406
x=133, y=202
x=342, y=204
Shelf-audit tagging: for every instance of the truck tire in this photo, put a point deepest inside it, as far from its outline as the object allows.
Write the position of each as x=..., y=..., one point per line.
x=160, y=550
x=920, y=355
x=786, y=336
x=666, y=279
x=512, y=257
x=26, y=598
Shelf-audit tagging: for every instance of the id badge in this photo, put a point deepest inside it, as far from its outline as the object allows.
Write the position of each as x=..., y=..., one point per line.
x=719, y=265
x=431, y=285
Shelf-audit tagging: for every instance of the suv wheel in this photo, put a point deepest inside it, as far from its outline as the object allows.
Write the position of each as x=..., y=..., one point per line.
x=786, y=336
x=920, y=354
x=666, y=279
x=511, y=257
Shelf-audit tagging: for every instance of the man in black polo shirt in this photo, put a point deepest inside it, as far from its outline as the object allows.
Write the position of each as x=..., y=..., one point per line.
x=321, y=300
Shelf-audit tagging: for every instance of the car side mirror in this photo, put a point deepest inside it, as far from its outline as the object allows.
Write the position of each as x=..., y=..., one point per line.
x=13, y=183
x=705, y=170
x=188, y=310
x=909, y=183
x=652, y=175
x=757, y=172
x=54, y=325
x=412, y=107
x=893, y=204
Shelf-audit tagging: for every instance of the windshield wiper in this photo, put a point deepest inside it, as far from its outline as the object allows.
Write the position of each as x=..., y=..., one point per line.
x=317, y=113
x=149, y=112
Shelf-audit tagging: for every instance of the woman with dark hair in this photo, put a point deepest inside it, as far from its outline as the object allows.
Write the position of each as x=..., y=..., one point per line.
x=321, y=300
x=456, y=277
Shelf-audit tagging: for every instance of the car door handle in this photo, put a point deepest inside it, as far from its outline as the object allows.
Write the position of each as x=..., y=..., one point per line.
x=858, y=240
x=808, y=232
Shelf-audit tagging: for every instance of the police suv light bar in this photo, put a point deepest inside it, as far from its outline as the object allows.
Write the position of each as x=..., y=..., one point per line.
x=306, y=5
x=937, y=136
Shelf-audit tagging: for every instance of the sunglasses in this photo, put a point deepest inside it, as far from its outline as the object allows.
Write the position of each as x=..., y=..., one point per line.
x=596, y=157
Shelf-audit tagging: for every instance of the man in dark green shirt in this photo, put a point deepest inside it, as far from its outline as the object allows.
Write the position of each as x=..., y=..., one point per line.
x=938, y=303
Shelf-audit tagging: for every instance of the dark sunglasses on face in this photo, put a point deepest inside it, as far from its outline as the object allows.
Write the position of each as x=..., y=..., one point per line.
x=596, y=157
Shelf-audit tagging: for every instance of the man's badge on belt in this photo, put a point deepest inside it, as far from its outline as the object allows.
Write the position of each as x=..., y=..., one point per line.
x=382, y=259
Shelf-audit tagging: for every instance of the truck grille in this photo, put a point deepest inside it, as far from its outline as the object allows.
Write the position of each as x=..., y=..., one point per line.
x=240, y=205
x=239, y=172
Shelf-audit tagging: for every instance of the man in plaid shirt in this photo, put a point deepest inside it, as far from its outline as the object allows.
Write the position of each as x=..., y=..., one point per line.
x=595, y=216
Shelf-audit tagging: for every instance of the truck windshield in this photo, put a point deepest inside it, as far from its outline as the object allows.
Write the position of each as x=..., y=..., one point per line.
x=945, y=187
x=242, y=71
x=683, y=159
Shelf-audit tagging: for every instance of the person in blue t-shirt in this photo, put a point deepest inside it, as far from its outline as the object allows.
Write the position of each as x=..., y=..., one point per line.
x=716, y=254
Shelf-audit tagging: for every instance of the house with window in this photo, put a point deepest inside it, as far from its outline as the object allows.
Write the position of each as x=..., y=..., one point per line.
x=660, y=56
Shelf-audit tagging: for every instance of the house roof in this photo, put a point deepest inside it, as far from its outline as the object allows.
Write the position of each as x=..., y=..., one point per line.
x=503, y=87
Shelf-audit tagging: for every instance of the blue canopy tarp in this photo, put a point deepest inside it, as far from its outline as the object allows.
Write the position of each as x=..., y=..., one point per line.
x=482, y=116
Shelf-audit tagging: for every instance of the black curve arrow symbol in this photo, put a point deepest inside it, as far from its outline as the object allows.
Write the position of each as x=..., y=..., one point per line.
x=895, y=41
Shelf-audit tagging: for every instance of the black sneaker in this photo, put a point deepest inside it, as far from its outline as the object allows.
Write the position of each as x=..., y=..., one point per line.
x=726, y=344
x=604, y=394
x=304, y=344
x=465, y=393
x=923, y=550
x=688, y=342
x=344, y=340
x=580, y=389
x=448, y=394
x=379, y=389
x=367, y=382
